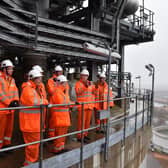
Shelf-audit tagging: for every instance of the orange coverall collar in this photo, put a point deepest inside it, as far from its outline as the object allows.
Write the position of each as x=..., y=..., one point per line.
x=83, y=81
x=104, y=84
x=62, y=88
x=32, y=84
x=54, y=75
x=4, y=75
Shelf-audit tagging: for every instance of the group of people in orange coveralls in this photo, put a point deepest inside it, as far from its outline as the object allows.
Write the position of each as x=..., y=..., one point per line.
x=33, y=93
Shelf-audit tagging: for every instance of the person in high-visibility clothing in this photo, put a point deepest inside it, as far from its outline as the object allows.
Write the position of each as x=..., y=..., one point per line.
x=101, y=93
x=84, y=91
x=51, y=87
x=38, y=68
x=8, y=98
x=30, y=118
x=52, y=84
x=42, y=86
x=60, y=116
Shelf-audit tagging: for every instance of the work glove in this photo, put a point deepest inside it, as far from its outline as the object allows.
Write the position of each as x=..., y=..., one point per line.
x=88, y=83
x=77, y=103
x=14, y=103
x=96, y=85
x=49, y=105
x=55, y=79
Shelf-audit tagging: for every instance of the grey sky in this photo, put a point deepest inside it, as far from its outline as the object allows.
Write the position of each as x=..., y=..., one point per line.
x=137, y=56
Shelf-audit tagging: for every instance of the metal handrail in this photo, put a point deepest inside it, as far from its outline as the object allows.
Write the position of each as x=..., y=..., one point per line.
x=111, y=122
x=60, y=105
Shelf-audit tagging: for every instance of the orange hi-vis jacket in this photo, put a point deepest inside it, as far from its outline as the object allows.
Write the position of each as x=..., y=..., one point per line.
x=8, y=91
x=101, y=93
x=60, y=115
x=31, y=96
x=96, y=97
x=44, y=94
x=85, y=94
x=41, y=86
x=51, y=87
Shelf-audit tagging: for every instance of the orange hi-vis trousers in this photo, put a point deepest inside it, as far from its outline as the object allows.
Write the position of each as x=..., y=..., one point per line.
x=59, y=143
x=31, y=151
x=51, y=128
x=6, y=128
x=86, y=120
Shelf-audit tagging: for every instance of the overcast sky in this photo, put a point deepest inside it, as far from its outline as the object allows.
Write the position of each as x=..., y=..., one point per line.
x=156, y=52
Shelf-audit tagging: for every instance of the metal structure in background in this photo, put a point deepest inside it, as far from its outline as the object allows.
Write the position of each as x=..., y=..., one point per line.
x=36, y=29
x=151, y=69
x=125, y=118
x=121, y=76
x=139, y=77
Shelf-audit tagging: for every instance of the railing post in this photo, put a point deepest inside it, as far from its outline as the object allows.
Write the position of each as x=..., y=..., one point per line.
x=125, y=120
x=143, y=111
x=41, y=136
x=136, y=109
x=108, y=106
x=106, y=140
x=82, y=143
x=148, y=109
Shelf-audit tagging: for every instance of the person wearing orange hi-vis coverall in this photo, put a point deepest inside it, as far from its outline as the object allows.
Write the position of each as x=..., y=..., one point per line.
x=101, y=93
x=60, y=117
x=51, y=87
x=84, y=91
x=8, y=98
x=30, y=118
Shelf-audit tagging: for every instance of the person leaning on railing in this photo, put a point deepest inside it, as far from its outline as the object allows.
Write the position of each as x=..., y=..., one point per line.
x=60, y=117
x=8, y=98
x=84, y=91
x=101, y=93
x=32, y=95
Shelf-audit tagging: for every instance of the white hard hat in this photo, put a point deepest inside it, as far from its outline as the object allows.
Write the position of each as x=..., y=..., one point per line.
x=84, y=72
x=102, y=75
x=6, y=63
x=30, y=74
x=37, y=67
x=34, y=74
x=58, y=68
x=62, y=78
